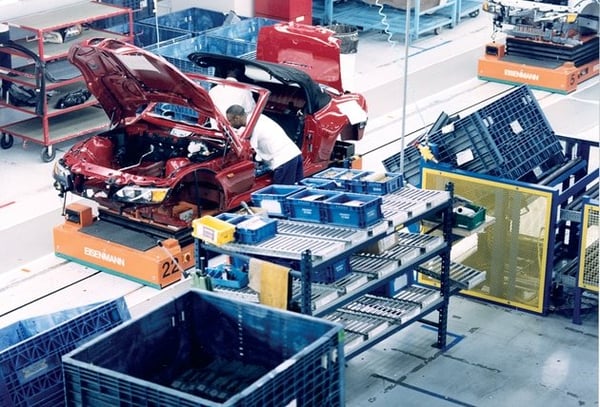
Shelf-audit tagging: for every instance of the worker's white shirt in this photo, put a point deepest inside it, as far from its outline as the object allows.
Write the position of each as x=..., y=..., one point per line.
x=271, y=144
x=224, y=96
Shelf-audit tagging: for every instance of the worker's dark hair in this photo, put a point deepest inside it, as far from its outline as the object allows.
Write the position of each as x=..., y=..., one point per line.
x=235, y=110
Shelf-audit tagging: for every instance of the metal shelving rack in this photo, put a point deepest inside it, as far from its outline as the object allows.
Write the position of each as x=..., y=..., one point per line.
x=352, y=292
x=390, y=20
x=40, y=66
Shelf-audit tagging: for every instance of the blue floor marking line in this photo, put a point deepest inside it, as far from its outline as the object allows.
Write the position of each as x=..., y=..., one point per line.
x=457, y=338
x=436, y=395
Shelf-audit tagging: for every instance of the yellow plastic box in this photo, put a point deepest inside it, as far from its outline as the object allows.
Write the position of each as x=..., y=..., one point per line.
x=213, y=230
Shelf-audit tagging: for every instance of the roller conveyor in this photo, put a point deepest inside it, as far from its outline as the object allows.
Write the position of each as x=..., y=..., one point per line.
x=321, y=294
x=395, y=310
x=290, y=247
x=430, y=197
x=374, y=267
x=421, y=295
x=368, y=326
x=351, y=282
x=464, y=276
x=320, y=231
x=401, y=254
x=425, y=243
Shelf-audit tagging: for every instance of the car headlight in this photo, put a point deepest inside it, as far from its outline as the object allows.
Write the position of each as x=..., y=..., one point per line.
x=63, y=180
x=60, y=171
x=143, y=195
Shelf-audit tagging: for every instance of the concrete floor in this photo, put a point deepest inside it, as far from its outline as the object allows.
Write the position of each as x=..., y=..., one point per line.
x=496, y=356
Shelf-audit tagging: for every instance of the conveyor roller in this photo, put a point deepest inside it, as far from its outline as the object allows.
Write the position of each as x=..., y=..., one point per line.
x=464, y=276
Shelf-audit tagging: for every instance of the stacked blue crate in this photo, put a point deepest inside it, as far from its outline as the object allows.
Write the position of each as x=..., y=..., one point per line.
x=510, y=138
x=31, y=351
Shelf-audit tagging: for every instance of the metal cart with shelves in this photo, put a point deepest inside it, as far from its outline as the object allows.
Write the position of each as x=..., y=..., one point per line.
x=355, y=300
x=39, y=77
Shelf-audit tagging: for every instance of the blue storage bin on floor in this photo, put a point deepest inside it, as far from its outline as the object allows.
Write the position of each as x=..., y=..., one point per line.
x=203, y=349
x=31, y=351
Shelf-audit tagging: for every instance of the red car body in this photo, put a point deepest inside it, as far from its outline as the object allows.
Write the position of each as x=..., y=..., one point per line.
x=164, y=148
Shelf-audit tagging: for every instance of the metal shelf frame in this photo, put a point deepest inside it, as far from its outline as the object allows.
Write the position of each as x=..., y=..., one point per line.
x=387, y=19
x=309, y=263
x=31, y=58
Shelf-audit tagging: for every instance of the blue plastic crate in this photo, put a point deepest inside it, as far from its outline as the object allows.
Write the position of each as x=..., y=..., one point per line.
x=333, y=174
x=318, y=183
x=382, y=184
x=353, y=180
x=204, y=349
x=254, y=229
x=192, y=20
x=273, y=198
x=30, y=356
x=227, y=275
x=307, y=205
x=354, y=210
x=332, y=273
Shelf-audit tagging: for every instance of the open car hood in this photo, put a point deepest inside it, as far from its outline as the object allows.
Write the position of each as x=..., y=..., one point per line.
x=256, y=71
x=313, y=49
x=125, y=78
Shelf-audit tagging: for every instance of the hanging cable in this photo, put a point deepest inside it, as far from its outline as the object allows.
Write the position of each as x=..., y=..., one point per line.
x=384, y=22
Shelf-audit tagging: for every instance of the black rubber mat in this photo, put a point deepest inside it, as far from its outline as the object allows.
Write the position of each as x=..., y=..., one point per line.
x=118, y=234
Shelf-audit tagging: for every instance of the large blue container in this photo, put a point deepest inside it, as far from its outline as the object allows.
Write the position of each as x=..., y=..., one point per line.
x=192, y=20
x=31, y=351
x=245, y=30
x=149, y=37
x=177, y=53
x=204, y=349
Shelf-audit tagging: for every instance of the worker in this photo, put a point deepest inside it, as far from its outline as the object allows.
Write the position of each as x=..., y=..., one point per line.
x=224, y=96
x=271, y=145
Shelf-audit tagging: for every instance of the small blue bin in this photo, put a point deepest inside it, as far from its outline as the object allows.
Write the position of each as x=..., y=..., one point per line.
x=354, y=210
x=254, y=229
x=273, y=198
x=386, y=184
x=332, y=273
x=318, y=183
x=307, y=205
x=353, y=181
x=226, y=275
